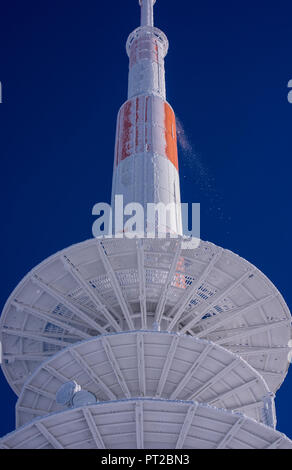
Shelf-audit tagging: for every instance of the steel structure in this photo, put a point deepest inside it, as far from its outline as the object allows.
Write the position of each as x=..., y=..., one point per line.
x=145, y=343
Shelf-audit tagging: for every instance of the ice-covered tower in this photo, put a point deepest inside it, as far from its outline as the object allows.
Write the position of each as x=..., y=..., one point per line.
x=145, y=343
x=146, y=161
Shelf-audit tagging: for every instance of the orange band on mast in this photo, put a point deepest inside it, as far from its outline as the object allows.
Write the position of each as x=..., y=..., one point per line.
x=170, y=135
x=146, y=124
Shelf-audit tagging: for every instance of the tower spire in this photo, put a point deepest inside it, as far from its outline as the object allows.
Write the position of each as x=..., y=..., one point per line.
x=147, y=12
x=146, y=160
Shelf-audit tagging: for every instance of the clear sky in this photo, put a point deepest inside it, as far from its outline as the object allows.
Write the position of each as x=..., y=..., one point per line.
x=64, y=76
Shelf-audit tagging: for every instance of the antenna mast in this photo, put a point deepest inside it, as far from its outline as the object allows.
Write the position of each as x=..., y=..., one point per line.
x=146, y=160
x=147, y=12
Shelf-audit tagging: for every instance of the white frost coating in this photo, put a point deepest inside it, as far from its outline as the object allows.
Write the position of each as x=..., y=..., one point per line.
x=161, y=424
x=147, y=77
x=178, y=367
x=164, y=185
x=146, y=167
x=146, y=48
x=147, y=12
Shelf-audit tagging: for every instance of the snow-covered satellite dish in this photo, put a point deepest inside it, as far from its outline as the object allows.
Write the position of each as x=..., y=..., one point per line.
x=66, y=392
x=83, y=397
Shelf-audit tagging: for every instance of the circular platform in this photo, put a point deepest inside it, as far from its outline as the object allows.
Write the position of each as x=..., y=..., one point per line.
x=98, y=287
x=152, y=364
x=145, y=423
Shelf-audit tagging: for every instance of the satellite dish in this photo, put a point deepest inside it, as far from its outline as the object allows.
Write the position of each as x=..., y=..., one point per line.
x=66, y=392
x=83, y=398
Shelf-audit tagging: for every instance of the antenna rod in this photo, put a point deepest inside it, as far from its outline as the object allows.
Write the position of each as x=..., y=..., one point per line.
x=147, y=12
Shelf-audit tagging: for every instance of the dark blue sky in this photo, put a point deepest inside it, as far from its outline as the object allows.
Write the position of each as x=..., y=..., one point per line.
x=64, y=76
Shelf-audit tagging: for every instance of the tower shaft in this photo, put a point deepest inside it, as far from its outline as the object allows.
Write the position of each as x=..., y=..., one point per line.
x=147, y=12
x=146, y=160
